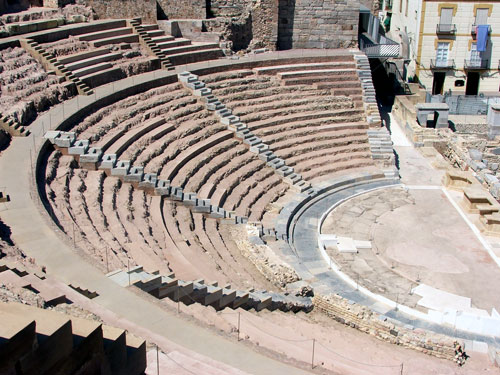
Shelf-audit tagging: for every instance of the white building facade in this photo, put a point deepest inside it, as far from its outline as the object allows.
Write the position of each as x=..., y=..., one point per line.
x=452, y=46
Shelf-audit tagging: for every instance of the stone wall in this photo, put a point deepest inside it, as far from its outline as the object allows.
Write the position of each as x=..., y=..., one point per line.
x=265, y=24
x=367, y=321
x=373, y=5
x=183, y=9
x=227, y=8
x=145, y=9
x=317, y=24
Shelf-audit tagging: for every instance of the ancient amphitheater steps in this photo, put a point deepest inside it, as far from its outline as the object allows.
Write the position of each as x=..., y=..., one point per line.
x=86, y=63
x=44, y=341
x=24, y=84
x=96, y=64
x=111, y=36
x=181, y=50
x=240, y=129
x=68, y=144
x=208, y=294
x=300, y=120
x=273, y=70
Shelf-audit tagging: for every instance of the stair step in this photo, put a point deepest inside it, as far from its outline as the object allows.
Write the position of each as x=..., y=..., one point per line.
x=153, y=26
x=129, y=38
x=86, y=63
x=155, y=33
x=162, y=39
x=54, y=336
x=190, y=48
x=83, y=55
x=92, y=69
x=177, y=42
x=105, y=34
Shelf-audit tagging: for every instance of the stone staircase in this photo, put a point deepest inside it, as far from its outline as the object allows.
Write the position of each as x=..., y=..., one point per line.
x=50, y=63
x=380, y=143
x=37, y=341
x=50, y=290
x=147, y=41
x=241, y=131
x=13, y=127
x=178, y=51
x=92, y=158
x=207, y=294
x=369, y=95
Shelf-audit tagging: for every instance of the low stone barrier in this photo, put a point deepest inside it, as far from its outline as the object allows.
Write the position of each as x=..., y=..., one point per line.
x=379, y=326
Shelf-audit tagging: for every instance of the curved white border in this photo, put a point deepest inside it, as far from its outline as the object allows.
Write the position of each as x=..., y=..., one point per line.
x=348, y=280
x=436, y=317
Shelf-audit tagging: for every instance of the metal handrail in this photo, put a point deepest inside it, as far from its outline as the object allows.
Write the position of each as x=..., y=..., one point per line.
x=476, y=64
x=439, y=64
x=442, y=28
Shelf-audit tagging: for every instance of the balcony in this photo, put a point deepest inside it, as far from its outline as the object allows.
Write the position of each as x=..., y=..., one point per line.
x=442, y=64
x=384, y=47
x=446, y=29
x=476, y=64
x=473, y=30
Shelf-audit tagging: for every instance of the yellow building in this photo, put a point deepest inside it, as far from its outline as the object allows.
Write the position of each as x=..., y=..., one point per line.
x=452, y=45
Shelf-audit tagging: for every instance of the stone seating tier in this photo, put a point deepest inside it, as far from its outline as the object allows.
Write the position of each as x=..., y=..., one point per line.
x=257, y=116
x=44, y=341
x=63, y=141
x=273, y=70
x=198, y=291
x=191, y=82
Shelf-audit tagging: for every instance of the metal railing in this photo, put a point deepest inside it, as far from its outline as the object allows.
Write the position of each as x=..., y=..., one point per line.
x=476, y=64
x=385, y=47
x=442, y=28
x=474, y=26
x=442, y=64
x=391, y=67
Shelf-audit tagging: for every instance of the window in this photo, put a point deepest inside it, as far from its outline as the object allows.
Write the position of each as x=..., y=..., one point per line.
x=475, y=55
x=482, y=16
x=442, y=54
x=445, y=19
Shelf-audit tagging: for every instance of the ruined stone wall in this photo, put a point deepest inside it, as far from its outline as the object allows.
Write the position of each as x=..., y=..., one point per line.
x=265, y=24
x=317, y=23
x=227, y=8
x=367, y=321
x=183, y=9
x=146, y=9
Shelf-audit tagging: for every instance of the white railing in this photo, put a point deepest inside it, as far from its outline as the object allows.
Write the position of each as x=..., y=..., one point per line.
x=385, y=47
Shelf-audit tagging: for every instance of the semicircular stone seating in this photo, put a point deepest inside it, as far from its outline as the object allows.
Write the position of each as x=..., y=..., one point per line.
x=104, y=51
x=26, y=89
x=301, y=113
x=168, y=132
